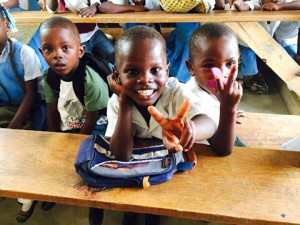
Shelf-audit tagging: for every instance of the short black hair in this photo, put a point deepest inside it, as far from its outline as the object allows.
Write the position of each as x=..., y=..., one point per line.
x=207, y=32
x=138, y=33
x=59, y=21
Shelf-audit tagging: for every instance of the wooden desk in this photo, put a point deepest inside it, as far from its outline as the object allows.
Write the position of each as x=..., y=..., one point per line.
x=252, y=186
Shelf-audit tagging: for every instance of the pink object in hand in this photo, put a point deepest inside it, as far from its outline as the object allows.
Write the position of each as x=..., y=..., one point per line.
x=217, y=74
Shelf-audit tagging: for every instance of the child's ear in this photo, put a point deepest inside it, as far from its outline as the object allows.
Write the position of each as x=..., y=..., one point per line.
x=168, y=68
x=189, y=66
x=116, y=75
x=81, y=51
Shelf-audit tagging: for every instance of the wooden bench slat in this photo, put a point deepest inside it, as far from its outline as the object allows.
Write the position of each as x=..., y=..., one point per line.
x=260, y=130
x=164, y=17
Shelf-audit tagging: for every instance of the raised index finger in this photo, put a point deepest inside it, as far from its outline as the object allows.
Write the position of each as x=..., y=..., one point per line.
x=182, y=111
x=157, y=116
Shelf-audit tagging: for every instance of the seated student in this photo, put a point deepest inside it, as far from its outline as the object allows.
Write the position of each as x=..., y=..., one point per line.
x=142, y=80
x=91, y=36
x=75, y=92
x=216, y=45
x=286, y=33
x=21, y=90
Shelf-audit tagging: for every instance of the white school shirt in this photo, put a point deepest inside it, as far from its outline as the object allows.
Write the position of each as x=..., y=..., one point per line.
x=31, y=64
x=168, y=104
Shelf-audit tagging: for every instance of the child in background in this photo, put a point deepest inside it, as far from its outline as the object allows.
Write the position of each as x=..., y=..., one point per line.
x=215, y=45
x=286, y=33
x=21, y=90
x=60, y=45
x=142, y=80
x=95, y=41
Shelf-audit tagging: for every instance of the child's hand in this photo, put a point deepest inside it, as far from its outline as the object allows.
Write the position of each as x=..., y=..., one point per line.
x=114, y=86
x=88, y=11
x=139, y=8
x=270, y=6
x=178, y=132
x=297, y=59
x=229, y=94
x=42, y=4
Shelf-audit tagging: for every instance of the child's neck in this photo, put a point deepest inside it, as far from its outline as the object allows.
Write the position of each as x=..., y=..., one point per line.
x=144, y=111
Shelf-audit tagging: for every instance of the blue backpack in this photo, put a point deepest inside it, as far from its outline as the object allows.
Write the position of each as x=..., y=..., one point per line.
x=148, y=166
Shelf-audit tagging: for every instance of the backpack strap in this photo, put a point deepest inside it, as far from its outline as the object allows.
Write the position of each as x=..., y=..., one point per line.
x=53, y=80
x=11, y=57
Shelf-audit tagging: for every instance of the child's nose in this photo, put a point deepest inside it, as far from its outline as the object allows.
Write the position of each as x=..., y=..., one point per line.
x=145, y=78
x=57, y=54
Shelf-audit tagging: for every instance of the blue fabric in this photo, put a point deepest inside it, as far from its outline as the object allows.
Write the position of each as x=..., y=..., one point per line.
x=159, y=169
x=32, y=6
x=291, y=50
x=248, y=61
x=99, y=45
x=178, y=50
x=8, y=80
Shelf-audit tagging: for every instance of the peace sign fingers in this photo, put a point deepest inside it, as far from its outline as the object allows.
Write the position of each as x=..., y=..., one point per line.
x=182, y=111
x=158, y=116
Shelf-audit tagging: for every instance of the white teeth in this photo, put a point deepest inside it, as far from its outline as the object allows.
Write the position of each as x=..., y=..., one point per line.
x=145, y=92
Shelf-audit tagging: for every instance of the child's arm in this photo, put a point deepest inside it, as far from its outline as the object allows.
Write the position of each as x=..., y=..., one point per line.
x=90, y=122
x=229, y=96
x=122, y=140
x=109, y=7
x=89, y=11
x=180, y=133
x=26, y=105
x=52, y=5
x=220, y=5
x=276, y=6
x=53, y=117
x=11, y=3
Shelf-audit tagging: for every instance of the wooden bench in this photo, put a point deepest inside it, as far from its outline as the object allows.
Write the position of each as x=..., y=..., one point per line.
x=251, y=186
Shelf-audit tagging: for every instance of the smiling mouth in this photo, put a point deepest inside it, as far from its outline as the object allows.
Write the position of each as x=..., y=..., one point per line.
x=146, y=92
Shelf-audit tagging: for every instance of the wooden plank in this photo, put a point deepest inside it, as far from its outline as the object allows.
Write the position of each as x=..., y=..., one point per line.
x=25, y=32
x=163, y=17
x=252, y=186
x=270, y=51
x=260, y=130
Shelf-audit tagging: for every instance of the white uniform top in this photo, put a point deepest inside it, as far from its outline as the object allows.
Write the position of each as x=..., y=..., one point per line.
x=168, y=104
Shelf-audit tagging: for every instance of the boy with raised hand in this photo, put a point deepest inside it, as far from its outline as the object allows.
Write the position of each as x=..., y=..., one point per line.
x=141, y=77
x=214, y=47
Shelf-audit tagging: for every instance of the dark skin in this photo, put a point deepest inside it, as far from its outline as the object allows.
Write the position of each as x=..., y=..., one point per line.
x=276, y=5
x=142, y=70
x=222, y=53
x=62, y=54
x=109, y=7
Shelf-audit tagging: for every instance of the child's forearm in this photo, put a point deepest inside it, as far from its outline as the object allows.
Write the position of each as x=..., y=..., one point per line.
x=11, y=3
x=109, y=7
x=90, y=122
x=294, y=5
x=53, y=117
x=26, y=106
x=223, y=140
x=122, y=141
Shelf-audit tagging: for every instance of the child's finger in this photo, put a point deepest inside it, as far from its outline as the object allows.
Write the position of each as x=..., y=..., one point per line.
x=159, y=118
x=182, y=110
x=171, y=136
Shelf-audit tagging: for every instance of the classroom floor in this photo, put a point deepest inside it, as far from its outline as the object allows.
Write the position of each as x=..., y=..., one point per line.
x=72, y=215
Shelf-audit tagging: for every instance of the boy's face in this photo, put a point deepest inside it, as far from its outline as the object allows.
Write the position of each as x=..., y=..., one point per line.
x=3, y=33
x=222, y=53
x=61, y=49
x=143, y=70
